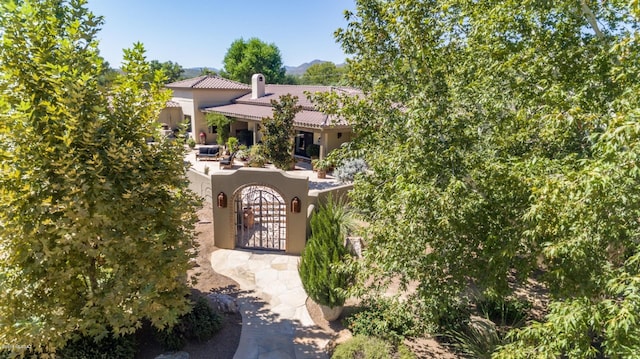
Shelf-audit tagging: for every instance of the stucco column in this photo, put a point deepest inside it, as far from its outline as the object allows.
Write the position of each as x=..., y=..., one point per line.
x=323, y=144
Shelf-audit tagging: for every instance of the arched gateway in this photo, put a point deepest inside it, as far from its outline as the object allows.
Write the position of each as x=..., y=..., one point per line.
x=259, y=208
x=260, y=218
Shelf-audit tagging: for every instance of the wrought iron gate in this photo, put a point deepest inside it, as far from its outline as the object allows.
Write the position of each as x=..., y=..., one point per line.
x=260, y=218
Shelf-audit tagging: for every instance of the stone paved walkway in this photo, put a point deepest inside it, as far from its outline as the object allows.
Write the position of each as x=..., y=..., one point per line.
x=275, y=320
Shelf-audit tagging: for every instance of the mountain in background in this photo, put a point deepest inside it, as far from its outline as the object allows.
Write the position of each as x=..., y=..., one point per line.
x=290, y=70
x=300, y=70
x=196, y=71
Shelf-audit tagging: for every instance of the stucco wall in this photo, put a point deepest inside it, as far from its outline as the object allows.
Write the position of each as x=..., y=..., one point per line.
x=320, y=196
x=333, y=141
x=200, y=184
x=286, y=185
x=298, y=229
x=207, y=98
x=185, y=99
x=172, y=116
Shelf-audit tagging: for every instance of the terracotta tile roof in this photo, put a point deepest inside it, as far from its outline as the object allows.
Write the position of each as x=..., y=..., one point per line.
x=273, y=92
x=304, y=118
x=256, y=109
x=209, y=82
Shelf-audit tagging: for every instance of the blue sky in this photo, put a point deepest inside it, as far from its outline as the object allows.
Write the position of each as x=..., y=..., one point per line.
x=196, y=33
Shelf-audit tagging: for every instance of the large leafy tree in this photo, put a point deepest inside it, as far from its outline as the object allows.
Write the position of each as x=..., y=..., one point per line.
x=96, y=225
x=324, y=73
x=502, y=138
x=278, y=131
x=108, y=75
x=245, y=58
x=172, y=70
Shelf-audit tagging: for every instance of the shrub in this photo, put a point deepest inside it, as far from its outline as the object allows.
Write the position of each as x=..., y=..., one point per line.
x=84, y=347
x=325, y=250
x=200, y=324
x=232, y=144
x=405, y=353
x=313, y=150
x=503, y=311
x=321, y=165
x=481, y=337
x=110, y=347
x=347, y=172
x=242, y=155
x=476, y=340
x=385, y=318
x=191, y=142
x=453, y=317
x=221, y=123
x=257, y=157
x=363, y=347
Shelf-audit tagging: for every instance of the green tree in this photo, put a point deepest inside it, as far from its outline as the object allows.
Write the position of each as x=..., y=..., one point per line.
x=221, y=123
x=108, y=75
x=324, y=73
x=207, y=71
x=502, y=139
x=171, y=70
x=96, y=225
x=323, y=281
x=278, y=131
x=245, y=58
x=291, y=80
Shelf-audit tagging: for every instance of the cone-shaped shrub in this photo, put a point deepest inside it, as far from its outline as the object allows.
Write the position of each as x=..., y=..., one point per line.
x=322, y=281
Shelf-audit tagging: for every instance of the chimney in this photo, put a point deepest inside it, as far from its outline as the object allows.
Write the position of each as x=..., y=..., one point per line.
x=257, y=86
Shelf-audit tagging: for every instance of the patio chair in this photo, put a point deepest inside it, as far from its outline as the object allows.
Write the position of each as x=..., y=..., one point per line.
x=227, y=162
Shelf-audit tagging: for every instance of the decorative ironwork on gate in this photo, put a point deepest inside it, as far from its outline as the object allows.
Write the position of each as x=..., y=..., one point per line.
x=260, y=218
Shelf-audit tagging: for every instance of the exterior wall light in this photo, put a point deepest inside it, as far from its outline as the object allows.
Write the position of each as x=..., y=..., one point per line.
x=222, y=200
x=295, y=205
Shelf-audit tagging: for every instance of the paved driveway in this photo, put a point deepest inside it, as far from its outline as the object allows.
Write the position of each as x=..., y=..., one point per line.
x=275, y=320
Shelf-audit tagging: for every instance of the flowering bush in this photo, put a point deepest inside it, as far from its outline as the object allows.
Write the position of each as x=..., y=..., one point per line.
x=349, y=169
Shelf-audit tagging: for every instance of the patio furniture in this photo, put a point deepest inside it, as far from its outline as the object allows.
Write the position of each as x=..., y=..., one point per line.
x=209, y=153
x=227, y=162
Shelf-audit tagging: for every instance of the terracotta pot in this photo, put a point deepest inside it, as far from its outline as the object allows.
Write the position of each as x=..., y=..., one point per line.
x=322, y=174
x=330, y=314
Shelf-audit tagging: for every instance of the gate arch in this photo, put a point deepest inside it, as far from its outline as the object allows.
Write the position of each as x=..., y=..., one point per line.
x=292, y=219
x=260, y=218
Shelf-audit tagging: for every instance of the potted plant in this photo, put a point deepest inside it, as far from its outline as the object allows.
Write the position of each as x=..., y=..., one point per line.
x=256, y=156
x=321, y=167
x=324, y=282
x=243, y=153
x=257, y=160
x=232, y=144
x=191, y=143
x=313, y=151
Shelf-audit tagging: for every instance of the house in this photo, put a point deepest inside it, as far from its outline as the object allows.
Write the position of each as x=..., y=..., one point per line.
x=170, y=117
x=247, y=105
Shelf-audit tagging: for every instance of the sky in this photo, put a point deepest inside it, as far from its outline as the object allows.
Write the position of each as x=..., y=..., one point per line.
x=198, y=33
